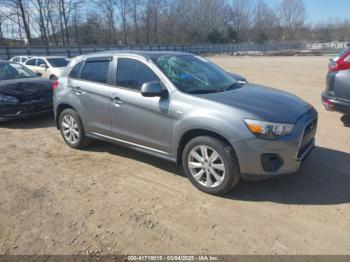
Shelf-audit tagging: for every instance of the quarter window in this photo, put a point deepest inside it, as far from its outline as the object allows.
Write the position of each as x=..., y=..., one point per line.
x=133, y=74
x=96, y=71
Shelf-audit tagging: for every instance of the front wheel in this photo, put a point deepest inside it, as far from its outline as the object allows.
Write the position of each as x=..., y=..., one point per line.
x=53, y=77
x=211, y=165
x=72, y=129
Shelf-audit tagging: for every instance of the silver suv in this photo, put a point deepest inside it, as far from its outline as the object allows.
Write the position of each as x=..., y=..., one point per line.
x=183, y=108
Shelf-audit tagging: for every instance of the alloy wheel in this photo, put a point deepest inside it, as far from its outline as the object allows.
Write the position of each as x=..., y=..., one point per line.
x=70, y=129
x=206, y=166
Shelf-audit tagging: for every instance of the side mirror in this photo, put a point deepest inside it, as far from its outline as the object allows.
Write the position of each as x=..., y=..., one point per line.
x=151, y=89
x=43, y=65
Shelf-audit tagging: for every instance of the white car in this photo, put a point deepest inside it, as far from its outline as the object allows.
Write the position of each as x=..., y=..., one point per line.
x=20, y=59
x=48, y=66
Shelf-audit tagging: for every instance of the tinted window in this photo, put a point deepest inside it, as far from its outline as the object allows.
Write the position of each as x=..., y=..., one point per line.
x=14, y=71
x=41, y=62
x=75, y=71
x=31, y=62
x=133, y=74
x=58, y=62
x=96, y=71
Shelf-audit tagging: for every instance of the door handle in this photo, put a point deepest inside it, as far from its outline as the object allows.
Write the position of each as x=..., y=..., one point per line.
x=116, y=100
x=78, y=90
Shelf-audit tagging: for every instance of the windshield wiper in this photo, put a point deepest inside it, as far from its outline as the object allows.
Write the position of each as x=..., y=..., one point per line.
x=204, y=91
x=235, y=85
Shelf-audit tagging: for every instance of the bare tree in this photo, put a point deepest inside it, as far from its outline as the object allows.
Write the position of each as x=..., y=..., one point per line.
x=264, y=22
x=240, y=17
x=292, y=15
x=124, y=10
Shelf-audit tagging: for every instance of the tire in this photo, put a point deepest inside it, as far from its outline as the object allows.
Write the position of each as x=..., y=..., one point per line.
x=53, y=77
x=77, y=139
x=225, y=166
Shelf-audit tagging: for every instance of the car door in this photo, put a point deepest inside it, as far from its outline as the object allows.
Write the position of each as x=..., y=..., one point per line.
x=91, y=84
x=137, y=120
x=43, y=68
x=31, y=64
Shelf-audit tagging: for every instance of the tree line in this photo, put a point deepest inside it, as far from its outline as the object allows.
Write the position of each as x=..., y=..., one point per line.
x=84, y=22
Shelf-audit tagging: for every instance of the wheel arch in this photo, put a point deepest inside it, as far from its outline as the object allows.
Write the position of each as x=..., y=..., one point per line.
x=190, y=134
x=60, y=109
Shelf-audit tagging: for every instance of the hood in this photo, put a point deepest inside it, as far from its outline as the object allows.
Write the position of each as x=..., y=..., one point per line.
x=26, y=89
x=265, y=103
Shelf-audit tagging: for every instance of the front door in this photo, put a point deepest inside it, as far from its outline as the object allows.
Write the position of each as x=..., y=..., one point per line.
x=138, y=120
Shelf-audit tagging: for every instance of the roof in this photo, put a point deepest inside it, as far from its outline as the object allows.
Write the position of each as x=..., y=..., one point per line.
x=146, y=54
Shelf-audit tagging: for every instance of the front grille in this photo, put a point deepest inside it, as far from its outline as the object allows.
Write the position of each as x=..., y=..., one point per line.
x=308, y=138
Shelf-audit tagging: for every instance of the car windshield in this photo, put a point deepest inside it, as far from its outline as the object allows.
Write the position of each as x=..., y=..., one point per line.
x=58, y=62
x=194, y=74
x=14, y=71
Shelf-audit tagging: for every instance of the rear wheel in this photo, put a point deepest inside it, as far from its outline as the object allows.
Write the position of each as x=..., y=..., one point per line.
x=211, y=165
x=72, y=129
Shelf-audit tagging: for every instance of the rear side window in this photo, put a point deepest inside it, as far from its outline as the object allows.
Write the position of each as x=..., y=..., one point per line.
x=31, y=62
x=16, y=59
x=133, y=74
x=76, y=70
x=95, y=71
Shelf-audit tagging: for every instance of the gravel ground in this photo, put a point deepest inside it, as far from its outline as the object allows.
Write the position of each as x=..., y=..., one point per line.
x=111, y=200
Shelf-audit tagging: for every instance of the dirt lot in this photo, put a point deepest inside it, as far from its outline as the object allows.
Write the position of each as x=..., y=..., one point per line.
x=54, y=200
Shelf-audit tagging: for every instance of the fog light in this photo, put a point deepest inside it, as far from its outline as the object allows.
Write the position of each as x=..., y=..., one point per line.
x=271, y=162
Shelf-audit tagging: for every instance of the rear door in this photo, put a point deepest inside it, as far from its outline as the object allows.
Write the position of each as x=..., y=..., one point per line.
x=138, y=120
x=91, y=84
x=342, y=78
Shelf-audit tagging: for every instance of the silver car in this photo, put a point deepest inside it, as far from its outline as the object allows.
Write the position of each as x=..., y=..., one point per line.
x=183, y=108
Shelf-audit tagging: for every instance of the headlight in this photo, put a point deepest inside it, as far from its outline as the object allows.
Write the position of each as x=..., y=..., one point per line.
x=268, y=130
x=8, y=99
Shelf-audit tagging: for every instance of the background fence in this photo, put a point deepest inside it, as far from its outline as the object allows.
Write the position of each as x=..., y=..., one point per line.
x=7, y=52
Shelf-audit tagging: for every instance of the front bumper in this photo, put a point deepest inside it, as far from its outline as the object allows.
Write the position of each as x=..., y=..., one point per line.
x=25, y=110
x=292, y=150
x=331, y=103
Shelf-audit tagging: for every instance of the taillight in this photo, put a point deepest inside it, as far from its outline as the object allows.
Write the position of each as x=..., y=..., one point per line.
x=54, y=85
x=333, y=67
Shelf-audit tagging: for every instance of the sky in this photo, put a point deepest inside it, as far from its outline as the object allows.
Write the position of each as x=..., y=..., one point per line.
x=322, y=10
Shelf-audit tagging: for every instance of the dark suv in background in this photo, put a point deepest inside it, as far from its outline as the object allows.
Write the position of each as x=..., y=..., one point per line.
x=336, y=97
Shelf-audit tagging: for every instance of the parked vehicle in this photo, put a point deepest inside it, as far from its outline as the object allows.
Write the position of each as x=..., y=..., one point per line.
x=49, y=66
x=22, y=92
x=336, y=97
x=183, y=108
x=20, y=59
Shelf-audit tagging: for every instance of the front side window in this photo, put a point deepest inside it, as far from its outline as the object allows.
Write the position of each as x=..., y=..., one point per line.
x=41, y=62
x=95, y=71
x=14, y=71
x=193, y=74
x=31, y=62
x=58, y=62
x=133, y=74
x=76, y=70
